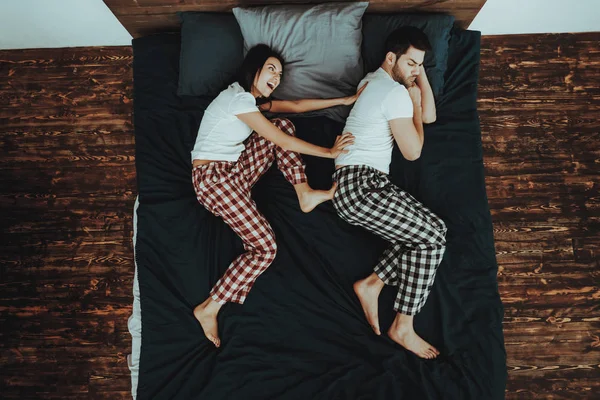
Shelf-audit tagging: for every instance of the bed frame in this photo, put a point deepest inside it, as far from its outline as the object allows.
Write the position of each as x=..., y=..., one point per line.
x=145, y=17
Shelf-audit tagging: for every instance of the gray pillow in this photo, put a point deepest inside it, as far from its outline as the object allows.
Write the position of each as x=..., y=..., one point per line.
x=377, y=27
x=211, y=53
x=321, y=46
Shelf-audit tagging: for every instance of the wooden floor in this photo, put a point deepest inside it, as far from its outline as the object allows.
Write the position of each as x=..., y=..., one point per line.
x=539, y=105
x=67, y=187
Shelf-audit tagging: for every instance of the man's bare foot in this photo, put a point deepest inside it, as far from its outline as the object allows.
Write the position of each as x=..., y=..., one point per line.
x=403, y=333
x=368, y=290
x=310, y=198
x=206, y=313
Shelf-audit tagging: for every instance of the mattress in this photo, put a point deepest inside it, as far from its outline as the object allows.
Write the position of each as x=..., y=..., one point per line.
x=301, y=333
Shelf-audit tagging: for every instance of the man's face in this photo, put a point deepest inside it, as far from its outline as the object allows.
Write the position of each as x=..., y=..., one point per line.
x=408, y=66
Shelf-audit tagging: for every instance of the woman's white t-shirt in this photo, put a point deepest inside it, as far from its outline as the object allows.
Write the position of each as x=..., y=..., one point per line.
x=221, y=135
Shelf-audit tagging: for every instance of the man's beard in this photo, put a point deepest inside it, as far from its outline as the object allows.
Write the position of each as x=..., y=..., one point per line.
x=397, y=76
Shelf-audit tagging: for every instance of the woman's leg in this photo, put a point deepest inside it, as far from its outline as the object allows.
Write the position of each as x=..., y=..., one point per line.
x=225, y=190
x=234, y=204
x=242, y=215
x=292, y=167
x=230, y=198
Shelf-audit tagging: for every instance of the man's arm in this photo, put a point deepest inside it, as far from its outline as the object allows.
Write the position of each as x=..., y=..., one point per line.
x=427, y=99
x=408, y=132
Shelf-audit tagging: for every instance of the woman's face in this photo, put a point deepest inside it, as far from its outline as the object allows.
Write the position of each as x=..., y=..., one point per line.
x=269, y=77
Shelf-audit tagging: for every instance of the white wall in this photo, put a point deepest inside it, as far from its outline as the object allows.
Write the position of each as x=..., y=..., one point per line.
x=59, y=23
x=71, y=23
x=499, y=17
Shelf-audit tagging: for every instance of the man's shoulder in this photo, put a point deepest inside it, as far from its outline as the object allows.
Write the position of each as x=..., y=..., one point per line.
x=397, y=91
x=378, y=83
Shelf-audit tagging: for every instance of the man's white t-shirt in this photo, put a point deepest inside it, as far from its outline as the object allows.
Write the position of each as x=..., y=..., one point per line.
x=221, y=135
x=383, y=100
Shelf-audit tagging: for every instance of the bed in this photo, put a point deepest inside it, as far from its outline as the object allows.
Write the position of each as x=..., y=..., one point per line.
x=301, y=333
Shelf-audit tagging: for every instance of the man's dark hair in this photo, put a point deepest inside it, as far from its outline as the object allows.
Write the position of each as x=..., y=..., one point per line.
x=253, y=62
x=401, y=39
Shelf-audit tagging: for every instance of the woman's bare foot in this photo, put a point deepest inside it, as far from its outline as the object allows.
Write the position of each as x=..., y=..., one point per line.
x=310, y=198
x=403, y=333
x=206, y=313
x=368, y=290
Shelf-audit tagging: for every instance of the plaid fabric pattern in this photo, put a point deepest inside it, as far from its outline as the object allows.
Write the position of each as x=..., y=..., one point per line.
x=366, y=197
x=224, y=188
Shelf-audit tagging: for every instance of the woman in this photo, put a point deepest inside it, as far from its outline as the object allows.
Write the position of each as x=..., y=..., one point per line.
x=228, y=159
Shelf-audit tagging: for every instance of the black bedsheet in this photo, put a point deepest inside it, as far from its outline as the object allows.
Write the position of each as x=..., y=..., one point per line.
x=301, y=333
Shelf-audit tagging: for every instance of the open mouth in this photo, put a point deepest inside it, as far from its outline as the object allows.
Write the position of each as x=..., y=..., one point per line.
x=270, y=85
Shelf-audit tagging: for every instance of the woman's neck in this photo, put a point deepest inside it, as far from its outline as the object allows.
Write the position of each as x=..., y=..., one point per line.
x=254, y=92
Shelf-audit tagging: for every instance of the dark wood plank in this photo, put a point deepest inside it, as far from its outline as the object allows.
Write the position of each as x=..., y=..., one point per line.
x=539, y=106
x=145, y=17
x=67, y=193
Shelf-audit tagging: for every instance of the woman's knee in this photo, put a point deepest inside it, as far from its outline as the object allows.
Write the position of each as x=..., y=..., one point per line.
x=265, y=245
x=267, y=252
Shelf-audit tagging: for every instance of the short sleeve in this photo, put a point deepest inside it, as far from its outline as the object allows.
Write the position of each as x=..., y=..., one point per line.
x=242, y=103
x=397, y=104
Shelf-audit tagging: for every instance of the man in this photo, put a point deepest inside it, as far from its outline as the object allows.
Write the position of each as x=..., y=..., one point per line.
x=394, y=105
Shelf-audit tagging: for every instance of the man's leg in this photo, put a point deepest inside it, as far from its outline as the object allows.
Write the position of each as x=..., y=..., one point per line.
x=367, y=198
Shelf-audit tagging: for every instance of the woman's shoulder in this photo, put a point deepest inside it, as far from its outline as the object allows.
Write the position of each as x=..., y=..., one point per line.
x=233, y=99
x=231, y=90
x=234, y=91
x=231, y=93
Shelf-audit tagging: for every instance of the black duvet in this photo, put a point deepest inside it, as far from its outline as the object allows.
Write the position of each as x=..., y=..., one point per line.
x=301, y=333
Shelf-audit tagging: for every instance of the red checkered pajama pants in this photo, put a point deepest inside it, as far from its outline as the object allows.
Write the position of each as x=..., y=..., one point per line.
x=224, y=188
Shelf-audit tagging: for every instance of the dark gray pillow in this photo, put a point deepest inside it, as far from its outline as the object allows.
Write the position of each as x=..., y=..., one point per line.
x=321, y=46
x=377, y=27
x=211, y=52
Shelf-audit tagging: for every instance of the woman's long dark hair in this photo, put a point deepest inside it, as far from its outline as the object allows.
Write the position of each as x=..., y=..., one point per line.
x=253, y=63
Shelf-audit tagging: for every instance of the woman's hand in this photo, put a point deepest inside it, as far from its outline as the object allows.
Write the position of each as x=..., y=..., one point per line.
x=341, y=142
x=347, y=101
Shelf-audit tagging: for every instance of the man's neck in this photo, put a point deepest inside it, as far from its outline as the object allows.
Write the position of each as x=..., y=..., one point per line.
x=386, y=69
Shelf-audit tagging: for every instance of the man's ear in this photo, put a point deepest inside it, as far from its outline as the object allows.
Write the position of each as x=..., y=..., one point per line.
x=390, y=58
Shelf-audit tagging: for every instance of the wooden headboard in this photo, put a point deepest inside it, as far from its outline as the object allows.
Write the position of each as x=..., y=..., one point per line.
x=144, y=17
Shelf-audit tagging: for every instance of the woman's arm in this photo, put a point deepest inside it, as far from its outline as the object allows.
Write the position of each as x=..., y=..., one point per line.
x=427, y=99
x=305, y=105
x=266, y=129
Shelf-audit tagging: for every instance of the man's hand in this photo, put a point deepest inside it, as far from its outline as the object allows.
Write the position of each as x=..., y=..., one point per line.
x=421, y=77
x=415, y=94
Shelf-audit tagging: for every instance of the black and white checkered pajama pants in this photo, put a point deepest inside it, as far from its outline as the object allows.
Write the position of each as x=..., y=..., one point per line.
x=366, y=197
